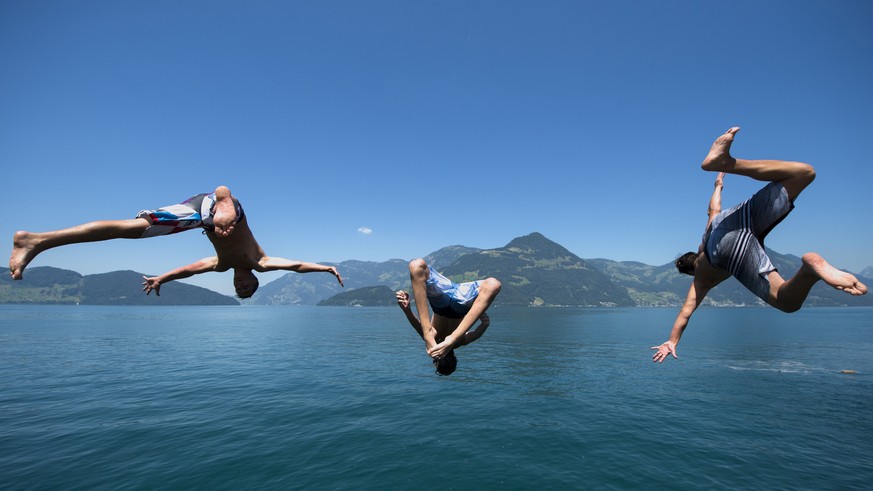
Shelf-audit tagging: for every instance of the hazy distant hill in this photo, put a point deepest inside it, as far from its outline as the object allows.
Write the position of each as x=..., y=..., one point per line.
x=646, y=285
x=369, y=296
x=536, y=271
x=54, y=285
x=663, y=286
x=43, y=285
x=867, y=272
x=311, y=288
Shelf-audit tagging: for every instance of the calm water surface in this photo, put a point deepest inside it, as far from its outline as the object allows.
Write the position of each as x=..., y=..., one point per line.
x=345, y=398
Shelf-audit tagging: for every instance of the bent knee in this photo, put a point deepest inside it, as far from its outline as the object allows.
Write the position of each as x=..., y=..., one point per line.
x=492, y=284
x=417, y=264
x=787, y=307
x=808, y=172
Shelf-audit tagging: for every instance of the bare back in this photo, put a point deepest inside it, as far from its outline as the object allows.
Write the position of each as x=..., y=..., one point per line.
x=444, y=326
x=237, y=250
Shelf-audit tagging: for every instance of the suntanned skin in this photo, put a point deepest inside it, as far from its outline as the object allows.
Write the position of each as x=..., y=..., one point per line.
x=786, y=295
x=235, y=248
x=443, y=334
x=242, y=253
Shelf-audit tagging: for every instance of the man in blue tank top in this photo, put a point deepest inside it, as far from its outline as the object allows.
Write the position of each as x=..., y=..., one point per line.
x=219, y=214
x=456, y=307
x=733, y=243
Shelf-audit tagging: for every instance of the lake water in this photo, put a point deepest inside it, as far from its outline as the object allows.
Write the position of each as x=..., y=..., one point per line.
x=345, y=398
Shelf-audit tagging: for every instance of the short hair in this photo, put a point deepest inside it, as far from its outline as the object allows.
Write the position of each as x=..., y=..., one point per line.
x=685, y=263
x=257, y=283
x=447, y=364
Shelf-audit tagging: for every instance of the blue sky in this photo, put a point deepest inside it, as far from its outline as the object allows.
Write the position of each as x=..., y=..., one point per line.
x=430, y=123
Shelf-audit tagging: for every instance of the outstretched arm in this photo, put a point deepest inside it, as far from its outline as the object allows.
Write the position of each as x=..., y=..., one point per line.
x=715, y=200
x=202, y=266
x=695, y=296
x=403, y=303
x=280, y=264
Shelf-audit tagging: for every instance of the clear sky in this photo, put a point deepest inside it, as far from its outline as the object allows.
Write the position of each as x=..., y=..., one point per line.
x=430, y=123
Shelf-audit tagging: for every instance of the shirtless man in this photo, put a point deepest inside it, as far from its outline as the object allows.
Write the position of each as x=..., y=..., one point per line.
x=456, y=307
x=219, y=214
x=733, y=243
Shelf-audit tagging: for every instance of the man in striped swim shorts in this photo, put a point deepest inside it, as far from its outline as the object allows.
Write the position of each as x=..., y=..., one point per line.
x=219, y=214
x=456, y=307
x=733, y=244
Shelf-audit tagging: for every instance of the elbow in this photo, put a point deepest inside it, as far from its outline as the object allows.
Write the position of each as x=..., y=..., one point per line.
x=685, y=315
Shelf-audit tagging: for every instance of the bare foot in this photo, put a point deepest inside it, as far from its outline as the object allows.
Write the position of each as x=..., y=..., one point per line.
x=719, y=156
x=23, y=251
x=833, y=276
x=225, y=213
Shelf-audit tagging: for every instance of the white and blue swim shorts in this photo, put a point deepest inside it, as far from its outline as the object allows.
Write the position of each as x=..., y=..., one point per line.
x=194, y=212
x=450, y=299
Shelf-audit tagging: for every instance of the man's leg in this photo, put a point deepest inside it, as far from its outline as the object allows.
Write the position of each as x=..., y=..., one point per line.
x=788, y=296
x=418, y=275
x=27, y=245
x=794, y=176
x=488, y=290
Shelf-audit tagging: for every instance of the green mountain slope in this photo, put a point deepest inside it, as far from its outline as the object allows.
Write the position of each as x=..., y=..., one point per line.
x=447, y=255
x=368, y=296
x=533, y=270
x=43, y=285
x=538, y=272
x=53, y=285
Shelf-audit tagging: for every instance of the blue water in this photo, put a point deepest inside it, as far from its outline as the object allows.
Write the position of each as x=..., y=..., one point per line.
x=345, y=398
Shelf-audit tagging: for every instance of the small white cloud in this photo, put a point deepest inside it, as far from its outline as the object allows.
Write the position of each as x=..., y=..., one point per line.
x=365, y=230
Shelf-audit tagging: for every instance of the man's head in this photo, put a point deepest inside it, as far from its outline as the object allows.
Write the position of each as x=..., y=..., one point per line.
x=245, y=282
x=686, y=263
x=447, y=364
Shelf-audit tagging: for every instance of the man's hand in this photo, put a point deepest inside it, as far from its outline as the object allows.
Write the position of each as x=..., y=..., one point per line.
x=223, y=231
x=441, y=349
x=151, y=284
x=668, y=348
x=339, y=278
x=402, y=299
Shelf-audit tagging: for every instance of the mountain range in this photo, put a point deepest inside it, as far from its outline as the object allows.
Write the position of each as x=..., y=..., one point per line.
x=533, y=270
x=536, y=271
